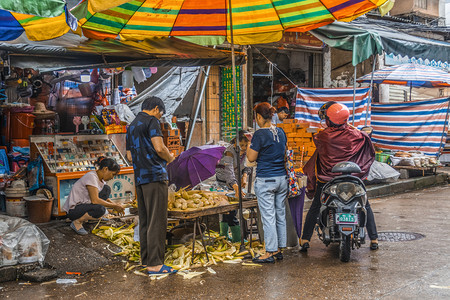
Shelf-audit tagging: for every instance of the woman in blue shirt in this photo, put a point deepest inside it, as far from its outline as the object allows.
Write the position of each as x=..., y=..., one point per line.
x=268, y=149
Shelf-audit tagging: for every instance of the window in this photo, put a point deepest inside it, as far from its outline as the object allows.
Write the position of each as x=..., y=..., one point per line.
x=421, y=3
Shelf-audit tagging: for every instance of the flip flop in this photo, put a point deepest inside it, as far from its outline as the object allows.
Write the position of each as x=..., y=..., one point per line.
x=80, y=231
x=164, y=270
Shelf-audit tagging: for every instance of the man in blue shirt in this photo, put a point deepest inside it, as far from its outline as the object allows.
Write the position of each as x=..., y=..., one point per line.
x=146, y=149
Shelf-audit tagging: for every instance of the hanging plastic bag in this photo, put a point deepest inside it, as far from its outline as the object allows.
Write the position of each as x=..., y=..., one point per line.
x=171, y=193
x=36, y=174
x=124, y=112
x=138, y=74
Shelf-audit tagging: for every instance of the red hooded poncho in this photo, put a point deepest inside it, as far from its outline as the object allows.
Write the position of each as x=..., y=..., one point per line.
x=336, y=145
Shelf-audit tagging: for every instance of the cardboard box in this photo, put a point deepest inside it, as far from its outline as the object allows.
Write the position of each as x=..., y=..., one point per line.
x=311, y=150
x=172, y=141
x=166, y=126
x=172, y=132
x=302, y=125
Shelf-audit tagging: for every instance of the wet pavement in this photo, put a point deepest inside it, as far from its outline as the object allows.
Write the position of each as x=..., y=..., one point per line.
x=414, y=269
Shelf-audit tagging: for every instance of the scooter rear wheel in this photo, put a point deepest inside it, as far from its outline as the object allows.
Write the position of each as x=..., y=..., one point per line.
x=345, y=248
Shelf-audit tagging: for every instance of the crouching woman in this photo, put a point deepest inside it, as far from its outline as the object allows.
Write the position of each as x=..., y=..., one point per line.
x=88, y=198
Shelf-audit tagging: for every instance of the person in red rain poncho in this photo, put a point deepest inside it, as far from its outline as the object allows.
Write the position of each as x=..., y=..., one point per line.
x=338, y=142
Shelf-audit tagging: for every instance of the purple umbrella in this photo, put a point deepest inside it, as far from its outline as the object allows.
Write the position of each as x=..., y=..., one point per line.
x=194, y=165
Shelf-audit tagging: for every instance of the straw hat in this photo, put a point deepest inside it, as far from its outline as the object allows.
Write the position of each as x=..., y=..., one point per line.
x=42, y=112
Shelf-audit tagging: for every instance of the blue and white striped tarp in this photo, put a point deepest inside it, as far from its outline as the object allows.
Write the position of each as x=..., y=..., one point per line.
x=415, y=125
x=309, y=102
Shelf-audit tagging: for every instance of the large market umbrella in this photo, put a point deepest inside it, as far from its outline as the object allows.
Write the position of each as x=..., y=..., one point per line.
x=412, y=75
x=209, y=22
x=40, y=20
x=194, y=165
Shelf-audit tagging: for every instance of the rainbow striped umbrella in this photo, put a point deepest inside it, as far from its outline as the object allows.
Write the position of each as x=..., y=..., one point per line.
x=412, y=75
x=207, y=21
x=40, y=20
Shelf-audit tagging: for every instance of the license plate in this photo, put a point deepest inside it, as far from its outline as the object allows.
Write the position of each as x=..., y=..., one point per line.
x=346, y=219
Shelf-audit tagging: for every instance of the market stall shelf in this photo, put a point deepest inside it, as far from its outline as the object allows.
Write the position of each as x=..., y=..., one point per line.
x=409, y=170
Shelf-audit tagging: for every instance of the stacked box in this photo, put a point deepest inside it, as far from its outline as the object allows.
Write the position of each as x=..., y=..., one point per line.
x=171, y=138
x=299, y=139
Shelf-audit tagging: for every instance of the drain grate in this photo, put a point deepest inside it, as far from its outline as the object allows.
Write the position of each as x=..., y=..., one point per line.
x=399, y=236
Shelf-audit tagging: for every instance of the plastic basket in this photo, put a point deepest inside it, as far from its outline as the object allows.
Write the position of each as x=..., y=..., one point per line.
x=382, y=157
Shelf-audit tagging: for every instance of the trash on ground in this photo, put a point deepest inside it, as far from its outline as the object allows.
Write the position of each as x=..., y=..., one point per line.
x=66, y=281
x=189, y=274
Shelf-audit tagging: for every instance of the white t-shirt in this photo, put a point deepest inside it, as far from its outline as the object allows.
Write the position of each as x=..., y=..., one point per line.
x=79, y=193
x=275, y=119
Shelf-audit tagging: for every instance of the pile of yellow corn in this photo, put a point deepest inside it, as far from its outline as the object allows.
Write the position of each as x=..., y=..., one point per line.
x=191, y=200
x=179, y=257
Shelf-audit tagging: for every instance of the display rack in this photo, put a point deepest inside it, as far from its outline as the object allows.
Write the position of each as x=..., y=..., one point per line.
x=68, y=157
x=74, y=153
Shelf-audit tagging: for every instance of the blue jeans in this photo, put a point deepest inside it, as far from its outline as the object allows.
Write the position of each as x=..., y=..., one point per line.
x=272, y=194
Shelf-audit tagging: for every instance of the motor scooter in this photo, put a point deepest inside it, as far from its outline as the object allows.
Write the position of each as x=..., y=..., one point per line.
x=342, y=217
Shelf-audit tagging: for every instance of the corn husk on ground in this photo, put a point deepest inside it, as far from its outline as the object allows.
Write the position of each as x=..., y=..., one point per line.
x=179, y=257
x=122, y=237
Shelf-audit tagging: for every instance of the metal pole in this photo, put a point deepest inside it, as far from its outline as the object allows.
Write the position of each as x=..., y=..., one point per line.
x=445, y=125
x=191, y=127
x=354, y=96
x=236, y=119
x=371, y=88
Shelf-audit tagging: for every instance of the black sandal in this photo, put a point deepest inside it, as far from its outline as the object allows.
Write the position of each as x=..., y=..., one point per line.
x=269, y=259
x=278, y=256
x=304, y=247
x=373, y=246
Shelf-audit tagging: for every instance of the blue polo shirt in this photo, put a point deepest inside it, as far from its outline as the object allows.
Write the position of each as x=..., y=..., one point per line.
x=148, y=166
x=271, y=152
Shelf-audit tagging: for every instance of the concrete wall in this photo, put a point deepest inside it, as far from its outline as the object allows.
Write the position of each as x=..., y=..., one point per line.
x=342, y=69
x=408, y=6
x=327, y=68
x=432, y=8
x=402, y=7
x=447, y=13
x=196, y=139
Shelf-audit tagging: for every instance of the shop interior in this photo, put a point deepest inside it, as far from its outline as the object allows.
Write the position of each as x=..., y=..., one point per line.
x=277, y=72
